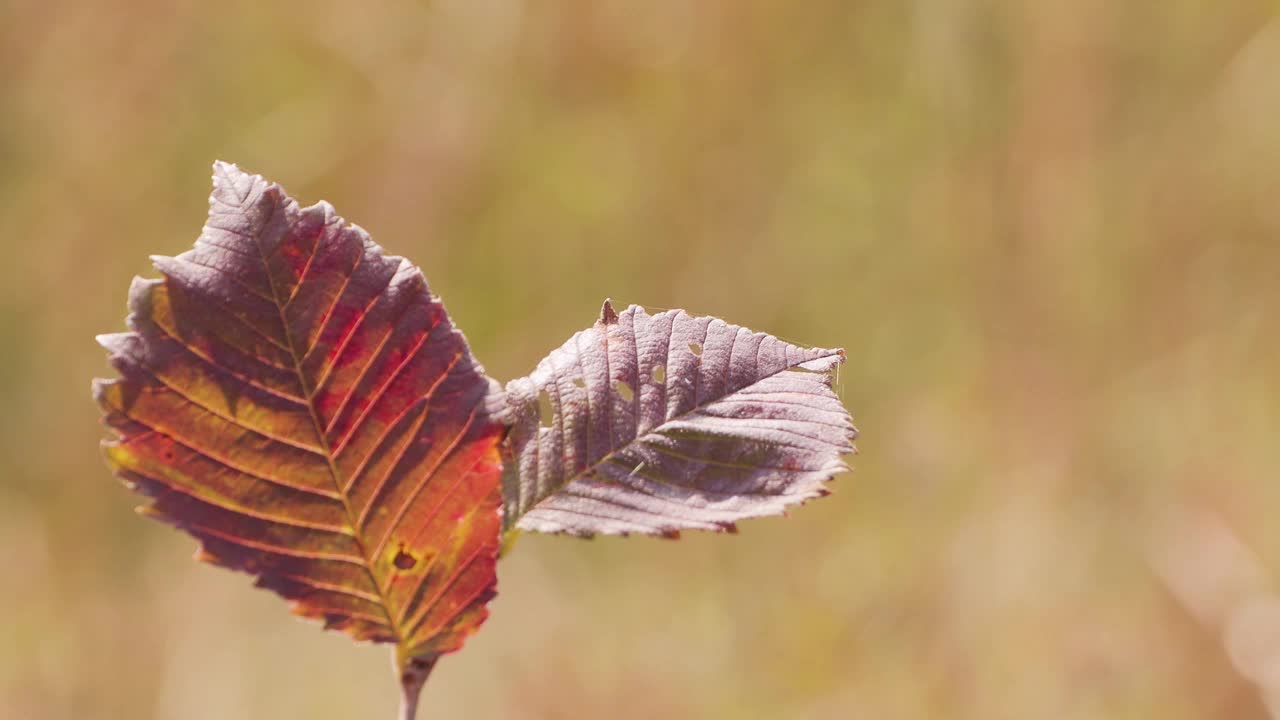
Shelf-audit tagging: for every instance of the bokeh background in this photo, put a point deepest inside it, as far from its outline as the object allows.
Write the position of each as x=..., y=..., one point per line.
x=1047, y=233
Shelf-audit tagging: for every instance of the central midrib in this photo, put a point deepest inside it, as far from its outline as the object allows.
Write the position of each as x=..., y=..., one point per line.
x=384, y=599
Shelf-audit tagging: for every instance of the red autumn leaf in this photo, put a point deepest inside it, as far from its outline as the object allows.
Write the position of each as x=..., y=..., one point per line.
x=303, y=405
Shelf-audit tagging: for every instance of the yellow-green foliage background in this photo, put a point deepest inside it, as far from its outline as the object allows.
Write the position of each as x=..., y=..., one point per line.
x=1048, y=234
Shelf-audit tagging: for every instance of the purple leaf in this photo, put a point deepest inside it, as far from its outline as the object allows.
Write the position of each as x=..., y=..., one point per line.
x=655, y=423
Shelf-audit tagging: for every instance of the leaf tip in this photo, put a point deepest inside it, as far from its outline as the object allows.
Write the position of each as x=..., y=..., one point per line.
x=607, y=314
x=228, y=171
x=225, y=172
x=234, y=186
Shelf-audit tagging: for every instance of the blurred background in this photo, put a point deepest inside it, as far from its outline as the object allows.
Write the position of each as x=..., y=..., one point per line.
x=1047, y=233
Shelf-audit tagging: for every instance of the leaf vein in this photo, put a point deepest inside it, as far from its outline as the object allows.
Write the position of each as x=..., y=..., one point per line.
x=272, y=548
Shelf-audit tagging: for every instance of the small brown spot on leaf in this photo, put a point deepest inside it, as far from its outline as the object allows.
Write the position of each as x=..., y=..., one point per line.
x=404, y=560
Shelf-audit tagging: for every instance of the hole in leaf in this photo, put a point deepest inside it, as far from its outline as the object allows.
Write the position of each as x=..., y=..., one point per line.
x=659, y=374
x=404, y=560
x=579, y=382
x=695, y=348
x=624, y=390
x=546, y=411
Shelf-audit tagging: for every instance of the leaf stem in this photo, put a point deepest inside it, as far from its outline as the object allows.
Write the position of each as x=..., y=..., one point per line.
x=409, y=705
x=413, y=675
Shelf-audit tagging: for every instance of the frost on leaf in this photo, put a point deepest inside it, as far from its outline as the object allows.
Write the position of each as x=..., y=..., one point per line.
x=301, y=403
x=655, y=423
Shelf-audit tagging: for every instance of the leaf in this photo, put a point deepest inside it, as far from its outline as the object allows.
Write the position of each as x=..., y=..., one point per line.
x=656, y=423
x=302, y=404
